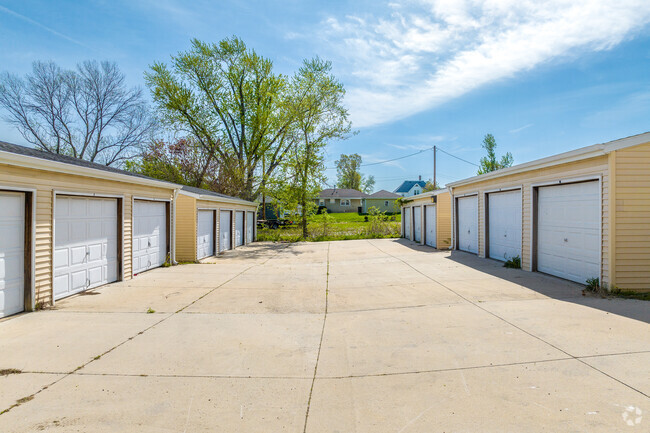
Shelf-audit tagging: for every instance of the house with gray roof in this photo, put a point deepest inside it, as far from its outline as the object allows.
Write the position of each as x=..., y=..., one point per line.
x=338, y=200
x=383, y=200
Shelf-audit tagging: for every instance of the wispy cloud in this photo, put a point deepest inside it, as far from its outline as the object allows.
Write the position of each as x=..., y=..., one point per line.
x=43, y=27
x=516, y=130
x=426, y=52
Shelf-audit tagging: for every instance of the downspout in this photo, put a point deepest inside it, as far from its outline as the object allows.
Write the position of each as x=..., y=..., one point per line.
x=173, y=228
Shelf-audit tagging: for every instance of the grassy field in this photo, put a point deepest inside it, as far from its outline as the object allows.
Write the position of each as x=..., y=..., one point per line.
x=336, y=226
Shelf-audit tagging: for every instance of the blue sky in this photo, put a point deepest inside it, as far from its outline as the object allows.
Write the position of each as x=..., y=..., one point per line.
x=542, y=77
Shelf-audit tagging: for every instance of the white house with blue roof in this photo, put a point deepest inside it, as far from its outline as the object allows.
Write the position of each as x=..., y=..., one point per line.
x=409, y=188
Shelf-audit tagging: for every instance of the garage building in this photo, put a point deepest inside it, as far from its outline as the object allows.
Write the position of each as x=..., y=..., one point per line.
x=68, y=225
x=209, y=223
x=426, y=219
x=577, y=215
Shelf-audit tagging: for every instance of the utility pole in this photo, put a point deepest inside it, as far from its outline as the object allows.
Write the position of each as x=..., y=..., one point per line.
x=434, y=167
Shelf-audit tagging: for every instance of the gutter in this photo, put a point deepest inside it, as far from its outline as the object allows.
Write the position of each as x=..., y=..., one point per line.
x=61, y=167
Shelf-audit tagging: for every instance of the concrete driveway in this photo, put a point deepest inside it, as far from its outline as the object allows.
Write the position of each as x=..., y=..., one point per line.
x=353, y=336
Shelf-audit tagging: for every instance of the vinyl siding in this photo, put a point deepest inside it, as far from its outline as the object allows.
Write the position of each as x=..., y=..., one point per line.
x=46, y=183
x=443, y=216
x=380, y=203
x=631, y=234
x=593, y=167
x=185, y=228
x=187, y=208
x=336, y=207
x=443, y=210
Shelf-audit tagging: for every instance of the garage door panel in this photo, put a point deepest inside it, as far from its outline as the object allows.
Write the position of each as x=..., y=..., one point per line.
x=239, y=228
x=149, y=235
x=250, y=227
x=205, y=234
x=431, y=226
x=417, y=223
x=84, y=243
x=504, y=219
x=12, y=252
x=225, y=228
x=407, y=223
x=568, y=231
x=468, y=224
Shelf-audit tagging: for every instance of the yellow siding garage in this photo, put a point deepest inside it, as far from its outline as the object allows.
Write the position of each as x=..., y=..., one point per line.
x=441, y=201
x=192, y=234
x=44, y=177
x=610, y=184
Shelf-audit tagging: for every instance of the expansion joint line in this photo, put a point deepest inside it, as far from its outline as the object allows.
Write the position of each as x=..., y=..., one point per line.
x=167, y=316
x=510, y=323
x=322, y=333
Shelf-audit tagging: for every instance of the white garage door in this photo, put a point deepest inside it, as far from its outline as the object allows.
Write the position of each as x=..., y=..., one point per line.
x=85, y=246
x=407, y=223
x=205, y=234
x=12, y=253
x=250, y=227
x=239, y=228
x=417, y=223
x=568, y=231
x=149, y=235
x=430, y=223
x=504, y=219
x=224, y=230
x=468, y=224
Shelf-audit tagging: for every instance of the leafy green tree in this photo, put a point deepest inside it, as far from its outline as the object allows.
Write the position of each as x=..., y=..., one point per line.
x=489, y=163
x=349, y=176
x=229, y=99
x=320, y=119
x=429, y=186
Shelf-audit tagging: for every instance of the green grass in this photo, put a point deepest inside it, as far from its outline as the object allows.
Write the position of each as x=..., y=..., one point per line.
x=629, y=294
x=341, y=226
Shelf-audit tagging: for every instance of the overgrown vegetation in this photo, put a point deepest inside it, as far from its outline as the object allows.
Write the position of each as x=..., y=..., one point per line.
x=8, y=371
x=513, y=262
x=338, y=226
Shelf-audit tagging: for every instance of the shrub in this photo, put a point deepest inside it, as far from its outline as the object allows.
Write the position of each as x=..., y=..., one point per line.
x=593, y=284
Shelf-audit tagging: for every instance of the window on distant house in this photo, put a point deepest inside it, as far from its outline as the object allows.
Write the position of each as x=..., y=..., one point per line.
x=332, y=200
x=345, y=202
x=416, y=192
x=386, y=203
x=321, y=202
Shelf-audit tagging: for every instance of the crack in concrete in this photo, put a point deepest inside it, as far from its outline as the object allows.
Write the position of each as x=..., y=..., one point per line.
x=510, y=323
x=320, y=344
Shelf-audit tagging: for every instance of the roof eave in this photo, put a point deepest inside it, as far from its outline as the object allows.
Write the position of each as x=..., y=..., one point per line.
x=208, y=197
x=62, y=167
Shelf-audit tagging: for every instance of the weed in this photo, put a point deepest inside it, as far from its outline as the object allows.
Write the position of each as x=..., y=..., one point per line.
x=593, y=284
x=151, y=311
x=97, y=357
x=39, y=306
x=8, y=371
x=25, y=399
x=630, y=294
x=513, y=262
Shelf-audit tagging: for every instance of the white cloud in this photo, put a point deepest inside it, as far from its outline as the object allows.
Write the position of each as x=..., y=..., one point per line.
x=521, y=128
x=426, y=52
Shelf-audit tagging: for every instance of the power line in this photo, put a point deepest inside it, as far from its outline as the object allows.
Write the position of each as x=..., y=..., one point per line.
x=461, y=159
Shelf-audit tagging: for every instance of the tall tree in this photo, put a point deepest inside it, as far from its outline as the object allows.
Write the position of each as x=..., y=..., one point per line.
x=489, y=163
x=229, y=99
x=88, y=113
x=320, y=119
x=349, y=176
x=182, y=161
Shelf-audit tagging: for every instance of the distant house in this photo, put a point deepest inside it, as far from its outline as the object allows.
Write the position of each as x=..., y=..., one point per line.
x=409, y=188
x=384, y=201
x=342, y=200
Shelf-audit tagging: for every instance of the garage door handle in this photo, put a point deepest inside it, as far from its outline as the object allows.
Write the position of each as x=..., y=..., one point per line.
x=87, y=282
x=149, y=242
x=468, y=231
x=566, y=240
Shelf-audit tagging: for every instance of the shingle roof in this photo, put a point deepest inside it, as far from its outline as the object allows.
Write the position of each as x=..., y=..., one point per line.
x=408, y=184
x=41, y=154
x=384, y=194
x=201, y=191
x=342, y=193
